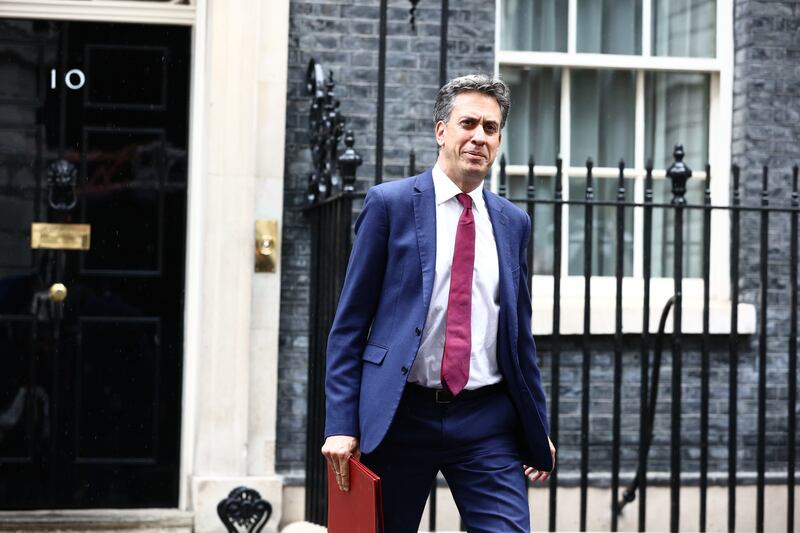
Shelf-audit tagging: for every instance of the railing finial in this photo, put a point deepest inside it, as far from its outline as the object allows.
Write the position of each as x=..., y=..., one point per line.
x=349, y=160
x=332, y=172
x=679, y=173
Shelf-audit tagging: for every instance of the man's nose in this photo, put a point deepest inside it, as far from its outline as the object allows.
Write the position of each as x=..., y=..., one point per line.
x=479, y=136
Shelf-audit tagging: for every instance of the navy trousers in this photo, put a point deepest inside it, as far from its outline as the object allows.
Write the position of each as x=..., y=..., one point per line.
x=472, y=442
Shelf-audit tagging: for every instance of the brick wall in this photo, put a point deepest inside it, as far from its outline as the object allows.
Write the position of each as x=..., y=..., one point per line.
x=343, y=36
x=766, y=129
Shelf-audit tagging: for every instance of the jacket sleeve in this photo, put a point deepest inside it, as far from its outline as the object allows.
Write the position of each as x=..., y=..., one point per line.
x=354, y=314
x=527, y=347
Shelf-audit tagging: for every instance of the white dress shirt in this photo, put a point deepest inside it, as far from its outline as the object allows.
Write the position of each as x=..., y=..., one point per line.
x=483, y=370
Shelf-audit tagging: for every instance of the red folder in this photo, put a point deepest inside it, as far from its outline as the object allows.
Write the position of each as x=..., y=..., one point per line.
x=360, y=509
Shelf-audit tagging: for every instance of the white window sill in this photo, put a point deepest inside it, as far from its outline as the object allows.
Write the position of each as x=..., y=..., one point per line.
x=603, y=307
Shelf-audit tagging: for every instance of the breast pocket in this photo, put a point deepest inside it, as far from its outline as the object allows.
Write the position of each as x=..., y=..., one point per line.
x=374, y=354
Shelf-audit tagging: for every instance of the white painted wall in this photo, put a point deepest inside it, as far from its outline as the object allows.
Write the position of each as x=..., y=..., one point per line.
x=231, y=379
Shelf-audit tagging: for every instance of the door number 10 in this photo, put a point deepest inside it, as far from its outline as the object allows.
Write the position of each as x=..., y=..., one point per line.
x=73, y=79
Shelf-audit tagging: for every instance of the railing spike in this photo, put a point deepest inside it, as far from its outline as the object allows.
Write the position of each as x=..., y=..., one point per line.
x=531, y=177
x=502, y=188
x=559, y=165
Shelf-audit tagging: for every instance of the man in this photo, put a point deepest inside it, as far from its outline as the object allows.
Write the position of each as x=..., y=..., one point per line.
x=431, y=365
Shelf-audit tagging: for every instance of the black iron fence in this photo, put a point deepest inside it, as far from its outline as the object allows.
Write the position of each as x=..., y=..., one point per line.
x=650, y=344
x=331, y=215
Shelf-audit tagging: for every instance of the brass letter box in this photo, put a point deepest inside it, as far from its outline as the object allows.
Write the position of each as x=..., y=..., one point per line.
x=60, y=236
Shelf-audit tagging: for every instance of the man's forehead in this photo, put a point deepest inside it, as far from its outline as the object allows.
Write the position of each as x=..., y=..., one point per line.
x=475, y=104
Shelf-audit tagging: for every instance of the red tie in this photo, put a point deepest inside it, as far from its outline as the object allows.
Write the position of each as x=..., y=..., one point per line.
x=457, y=338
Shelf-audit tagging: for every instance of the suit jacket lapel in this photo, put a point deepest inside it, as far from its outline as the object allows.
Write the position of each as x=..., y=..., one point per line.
x=425, y=220
x=505, y=258
x=500, y=230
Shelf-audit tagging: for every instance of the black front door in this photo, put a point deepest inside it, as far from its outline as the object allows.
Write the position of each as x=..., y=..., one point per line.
x=93, y=131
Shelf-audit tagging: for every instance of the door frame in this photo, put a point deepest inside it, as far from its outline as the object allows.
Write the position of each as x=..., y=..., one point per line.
x=246, y=124
x=174, y=14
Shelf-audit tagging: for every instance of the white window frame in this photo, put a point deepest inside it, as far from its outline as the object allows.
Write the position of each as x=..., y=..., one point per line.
x=720, y=71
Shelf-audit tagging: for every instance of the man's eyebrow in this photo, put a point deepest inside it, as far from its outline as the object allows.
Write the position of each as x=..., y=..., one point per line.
x=475, y=117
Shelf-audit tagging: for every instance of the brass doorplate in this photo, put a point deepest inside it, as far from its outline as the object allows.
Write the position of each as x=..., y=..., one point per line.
x=266, y=246
x=60, y=236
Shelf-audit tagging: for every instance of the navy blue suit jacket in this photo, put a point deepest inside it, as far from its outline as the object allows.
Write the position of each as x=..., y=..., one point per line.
x=384, y=304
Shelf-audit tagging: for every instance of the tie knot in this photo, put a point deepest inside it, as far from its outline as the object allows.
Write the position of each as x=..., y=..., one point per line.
x=465, y=199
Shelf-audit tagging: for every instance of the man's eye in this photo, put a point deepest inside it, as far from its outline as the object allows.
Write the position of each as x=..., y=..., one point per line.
x=490, y=128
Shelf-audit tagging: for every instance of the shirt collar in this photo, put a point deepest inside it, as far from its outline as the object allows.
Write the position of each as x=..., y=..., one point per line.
x=445, y=189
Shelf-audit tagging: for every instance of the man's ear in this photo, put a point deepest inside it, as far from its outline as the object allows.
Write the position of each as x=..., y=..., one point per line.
x=439, y=131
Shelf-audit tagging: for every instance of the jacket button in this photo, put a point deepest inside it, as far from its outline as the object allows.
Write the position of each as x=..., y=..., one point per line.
x=417, y=331
x=404, y=370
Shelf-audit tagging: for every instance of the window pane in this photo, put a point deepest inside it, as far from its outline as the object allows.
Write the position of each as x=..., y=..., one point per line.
x=542, y=219
x=604, y=229
x=676, y=112
x=664, y=230
x=684, y=28
x=610, y=26
x=603, y=114
x=533, y=123
x=534, y=25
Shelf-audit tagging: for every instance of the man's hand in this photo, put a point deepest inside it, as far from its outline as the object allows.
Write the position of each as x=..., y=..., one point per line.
x=337, y=450
x=533, y=474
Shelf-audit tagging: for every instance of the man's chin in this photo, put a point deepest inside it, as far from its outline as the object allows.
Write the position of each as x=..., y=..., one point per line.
x=476, y=173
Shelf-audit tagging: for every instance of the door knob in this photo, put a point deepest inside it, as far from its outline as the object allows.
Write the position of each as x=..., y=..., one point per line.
x=57, y=292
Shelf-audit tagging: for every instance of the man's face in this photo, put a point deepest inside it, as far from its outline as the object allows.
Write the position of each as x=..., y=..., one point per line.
x=470, y=139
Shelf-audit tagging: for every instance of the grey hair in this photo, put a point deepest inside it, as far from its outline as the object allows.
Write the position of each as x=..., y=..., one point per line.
x=471, y=83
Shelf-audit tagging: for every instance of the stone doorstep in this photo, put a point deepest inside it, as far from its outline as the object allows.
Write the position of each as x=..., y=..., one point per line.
x=140, y=520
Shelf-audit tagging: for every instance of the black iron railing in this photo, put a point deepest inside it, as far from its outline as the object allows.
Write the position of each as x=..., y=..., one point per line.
x=332, y=220
x=766, y=214
x=330, y=195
